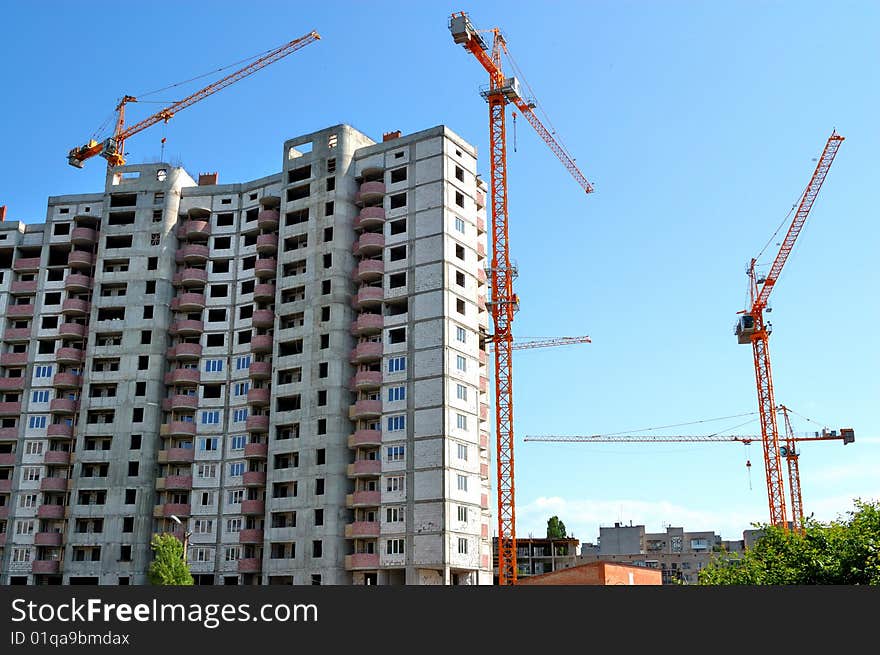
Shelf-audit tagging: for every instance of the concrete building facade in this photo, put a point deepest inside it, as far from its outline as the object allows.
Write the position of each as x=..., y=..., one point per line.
x=294, y=368
x=536, y=555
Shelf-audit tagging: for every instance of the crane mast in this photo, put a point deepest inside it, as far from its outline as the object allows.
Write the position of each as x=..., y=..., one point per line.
x=752, y=328
x=113, y=148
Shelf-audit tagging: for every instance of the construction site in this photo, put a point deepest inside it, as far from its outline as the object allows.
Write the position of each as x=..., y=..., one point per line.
x=308, y=374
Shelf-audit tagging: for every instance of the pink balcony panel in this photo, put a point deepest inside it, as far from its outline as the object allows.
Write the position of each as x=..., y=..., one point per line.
x=251, y=507
x=71, y=330
x=7, y=409
x=63, y=406
x=56, y=457
x=186, y=351
x=47, y=539
x=361, y=529
x=250, y=565
x=7, y=459
x=261, y=343
x=180, y=401
x=19, y=310
x=177, y=509
x=26, y=264
x=76, y=306
x=177, y=455
x=194, y=229
x=370, y=296
x=481, y=303
x=45, y=566
x=264, y=291
x=365, y=467
x=367, y=380
x=179, y=375
x=481, y=276
x=259, y=396
x=9, y=384
x=192, y=276
x=484, y=501
x=80, y=259
x=371, y=190
x=83, y=236
x=23, y=286
x=483, y=357
x=260, y=370
x=69, y=355
x=59, y=430
x=6, y=485
x=484, y=440
x=256, y=450
x=47, y=511
x=13, y=359
x=178, y=428
x=365, y=438
x=370, y=269
x=250, y=536
x=8, y=433
x=77, y=282
x=370, y=217
x=366, y=351
x=484, y=530
x=194, y=252
x=484, y=384
x=362, y=561
x=481, y=199
x=258, y=423
x=265, y=267
x=67, y=380
x=484, y=412
x=4, y=513
x=267, y=243
x=263, y=318
x=364, y=498
x=17, y=334
x=188, y=302
x=367, y=323
x=267, y=219
x=254, y=478
x=53, y=484
x=365, y=409
x=178, y=482
x=484, y=471
x=369, y=242
x=481, y=250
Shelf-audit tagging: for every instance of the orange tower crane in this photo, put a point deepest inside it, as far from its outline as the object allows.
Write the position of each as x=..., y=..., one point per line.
x=751, y=328
x=113, y=148
x=548, y=342
x=502, y=91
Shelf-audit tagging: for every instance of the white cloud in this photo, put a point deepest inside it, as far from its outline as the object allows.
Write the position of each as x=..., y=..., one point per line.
x=848, y=472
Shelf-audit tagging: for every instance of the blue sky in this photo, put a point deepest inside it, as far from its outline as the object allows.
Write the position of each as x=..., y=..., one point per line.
x=696, y=122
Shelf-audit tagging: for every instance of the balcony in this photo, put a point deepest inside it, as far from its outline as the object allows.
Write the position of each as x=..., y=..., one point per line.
x=365, y=438
x=481, y=251
x=484, y=501
x=77, y=283
x=187, y=328
x=369, y=270
x=83, y=236
x=59, y=430
x=365, y=468
x=256, y=451
x=178, y=429
x=11, y=384
x=366, y=351
x=370, y=217
x=260, y=370
x=185, y=351
x=195, y=230
x=190, y=277
x=366, y=380
x=19, y=311
x=257, y=423
x=7, y=459
x=194, y=253
x=6, y=485
x=71, y=330
x=483, y=358
x=76, y=307
x=484, y=412
x=367, y=324
x=362, y=530
x=484, y=441
x=481, y=276
x=176, y=456
x=263, y=318
x=189, y=301
x=481, y=225
x=13, y=359
x=45, y=566
x=481, y=303
x=177, y=509
x=67, y=381
x=179, y=375
x=23, y=286
x=46, y=511
x=484, y=384
x=267, y=219
x=178, y=482
x=267, y=243
x=250, y=565
x=26, y=264
x=7, y=434
x=484, y=471
x=369, y=297
x=363, y=499
x=53, y=484
x=180, y=401
x=253, y=507
x=371, y=191
x=264, y=291
x=261, y=343
x=264, y=267
x=364, y=409
x=254, y=479
x=10, y=409
x=47, y=539
x=17, y=334
x=56, y=457
x=250, y=536
x=69, y=356
x=480, y=199
x=369, y=243
x=361, y=561
x=81, y=259
x=63, y=406
x=259, y=397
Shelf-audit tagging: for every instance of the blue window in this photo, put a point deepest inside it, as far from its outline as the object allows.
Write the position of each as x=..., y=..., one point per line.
x=238, y=442
x=208, y=443
x=396, y=393
x=213, y=365
x=239, y=415
x=210, y=418
x=37, y=422
x=43, y=372
x=40, y=397
x=236, y=469
x=243, y=362
x=396, y=364
x=241, y=388
x=396, y=423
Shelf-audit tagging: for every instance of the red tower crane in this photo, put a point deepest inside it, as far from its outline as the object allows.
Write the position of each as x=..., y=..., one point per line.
x=113, y=148
x=542, y=342
x=501, y=92
x=751, y=328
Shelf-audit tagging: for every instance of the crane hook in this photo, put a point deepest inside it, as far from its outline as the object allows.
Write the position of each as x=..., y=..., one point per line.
x=514, y=130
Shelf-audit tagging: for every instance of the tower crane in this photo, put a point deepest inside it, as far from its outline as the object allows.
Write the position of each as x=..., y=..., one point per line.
x=113, y=148
x=789, y=451
x=501, y=92
x=751, y=328
x=546, y=342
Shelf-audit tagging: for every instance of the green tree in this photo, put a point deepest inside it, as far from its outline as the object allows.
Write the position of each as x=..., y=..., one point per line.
x=842, y=552
x=555, y=528
x=168, y=566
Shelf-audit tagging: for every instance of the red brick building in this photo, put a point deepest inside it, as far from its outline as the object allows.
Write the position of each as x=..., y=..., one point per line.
x=597, y=573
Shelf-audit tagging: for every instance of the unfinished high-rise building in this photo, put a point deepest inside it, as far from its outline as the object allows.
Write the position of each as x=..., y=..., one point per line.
x=288, y=373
